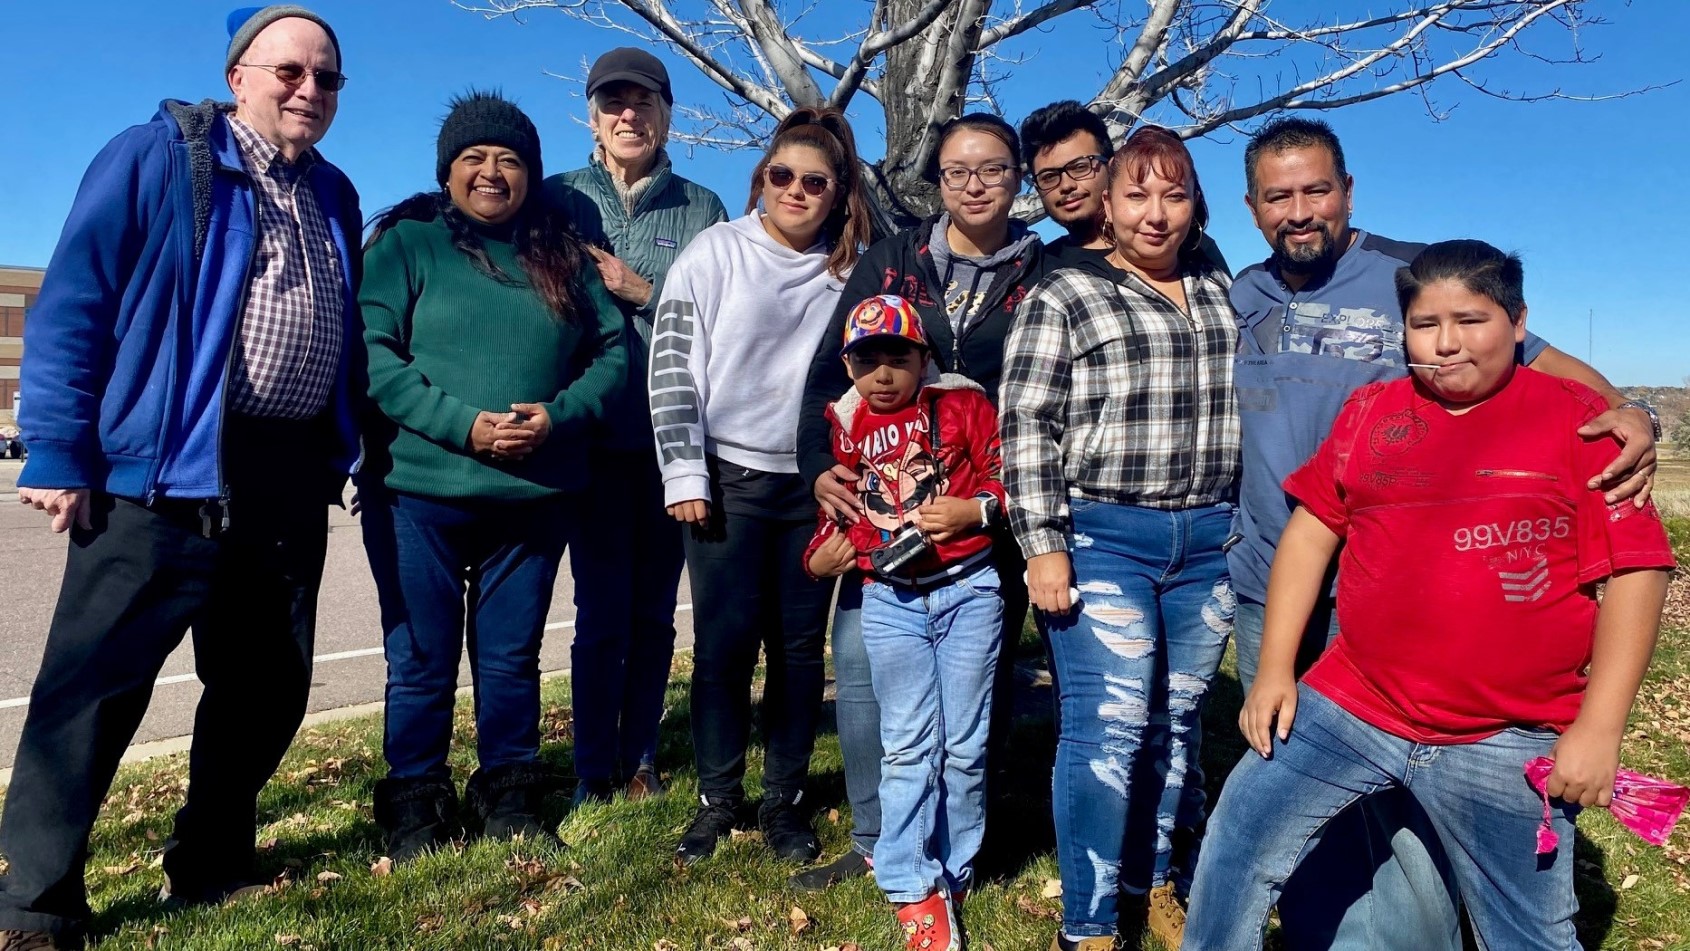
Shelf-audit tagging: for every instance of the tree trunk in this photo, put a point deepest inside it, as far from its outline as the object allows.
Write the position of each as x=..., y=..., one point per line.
x=928, y=77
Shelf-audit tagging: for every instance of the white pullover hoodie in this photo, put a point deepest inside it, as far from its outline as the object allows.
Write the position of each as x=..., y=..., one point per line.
x=738, y=323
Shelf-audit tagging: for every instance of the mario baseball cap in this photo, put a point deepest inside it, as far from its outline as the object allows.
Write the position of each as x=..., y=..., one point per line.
x=886, y=315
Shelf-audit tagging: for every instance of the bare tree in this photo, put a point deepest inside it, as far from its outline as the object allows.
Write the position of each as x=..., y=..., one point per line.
x=1200, y=65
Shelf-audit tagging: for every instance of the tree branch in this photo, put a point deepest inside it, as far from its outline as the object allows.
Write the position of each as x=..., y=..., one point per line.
x=769, y=35
x=1298, y=97
x=876, y=43
x=1150, y=39
x=1015, y=26
x=1194, y=62
x=953, y=74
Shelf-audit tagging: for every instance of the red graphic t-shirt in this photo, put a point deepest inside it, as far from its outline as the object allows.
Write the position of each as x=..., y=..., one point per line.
x=1466, y=586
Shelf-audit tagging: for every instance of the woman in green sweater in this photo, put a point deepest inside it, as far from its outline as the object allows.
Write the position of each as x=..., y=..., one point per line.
x=493, y=346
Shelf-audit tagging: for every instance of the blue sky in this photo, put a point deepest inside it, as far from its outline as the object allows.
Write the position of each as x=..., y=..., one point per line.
x=1592, y=194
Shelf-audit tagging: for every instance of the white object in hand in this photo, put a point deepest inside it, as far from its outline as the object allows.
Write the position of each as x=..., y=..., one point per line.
x=1073, y=592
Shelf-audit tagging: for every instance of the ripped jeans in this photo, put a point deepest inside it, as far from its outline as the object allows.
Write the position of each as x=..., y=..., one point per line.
x=1133, y=664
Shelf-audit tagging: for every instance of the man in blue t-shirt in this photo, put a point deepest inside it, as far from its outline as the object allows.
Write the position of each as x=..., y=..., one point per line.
x=1318, y=319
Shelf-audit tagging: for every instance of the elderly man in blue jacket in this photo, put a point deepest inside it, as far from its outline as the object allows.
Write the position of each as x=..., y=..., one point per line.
x=193, y=367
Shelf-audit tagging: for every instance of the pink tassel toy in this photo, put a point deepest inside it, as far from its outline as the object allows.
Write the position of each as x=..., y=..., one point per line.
x=1645, y=805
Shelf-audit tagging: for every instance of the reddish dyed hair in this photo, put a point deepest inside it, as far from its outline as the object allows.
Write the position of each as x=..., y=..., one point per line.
x=1152, y=148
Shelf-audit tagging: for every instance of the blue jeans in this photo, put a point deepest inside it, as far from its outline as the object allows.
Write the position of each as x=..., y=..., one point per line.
x=1379, y=880
x=627, y=567
x=933, y=653
x=427, y=554
x=1485, y=813
x=857, y=714
x=1155, y=611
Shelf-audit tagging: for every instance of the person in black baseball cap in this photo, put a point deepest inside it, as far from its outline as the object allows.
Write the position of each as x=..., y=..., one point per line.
x=638, y=213
x=625, y=64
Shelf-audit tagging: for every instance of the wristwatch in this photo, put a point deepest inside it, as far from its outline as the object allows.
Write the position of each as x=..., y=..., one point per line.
x=1654, y=417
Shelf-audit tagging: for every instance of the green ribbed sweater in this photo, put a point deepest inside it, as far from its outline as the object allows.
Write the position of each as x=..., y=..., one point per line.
x=447, y=341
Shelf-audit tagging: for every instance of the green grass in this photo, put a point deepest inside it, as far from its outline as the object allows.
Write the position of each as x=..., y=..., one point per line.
x=616, y=888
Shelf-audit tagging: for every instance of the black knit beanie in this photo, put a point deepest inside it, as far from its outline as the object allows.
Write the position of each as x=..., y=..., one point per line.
x=487, y=118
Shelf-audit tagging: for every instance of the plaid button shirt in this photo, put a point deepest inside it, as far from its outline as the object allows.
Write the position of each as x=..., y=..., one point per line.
x=1112, y=393
x=291, y=329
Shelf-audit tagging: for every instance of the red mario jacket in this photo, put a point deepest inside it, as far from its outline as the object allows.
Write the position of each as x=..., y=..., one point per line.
x=899, y=470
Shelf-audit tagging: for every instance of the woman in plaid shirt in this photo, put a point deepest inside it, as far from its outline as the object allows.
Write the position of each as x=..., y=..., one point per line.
x=1121, y=446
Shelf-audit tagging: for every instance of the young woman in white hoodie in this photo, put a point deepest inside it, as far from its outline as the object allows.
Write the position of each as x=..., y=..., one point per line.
x=742, y=310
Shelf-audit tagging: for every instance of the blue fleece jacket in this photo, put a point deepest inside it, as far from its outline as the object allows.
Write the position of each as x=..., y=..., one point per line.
x=129, y=345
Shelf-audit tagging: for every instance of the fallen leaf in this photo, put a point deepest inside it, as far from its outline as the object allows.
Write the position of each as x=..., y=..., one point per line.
x=799, y=920
x=328, y=876
x=743, y=944
x=1052, y=889
x=1630, y=880
x=382, y=867
x=1030, y=906
x=833, y=816
x=664, y=944
x=737, y=924
x=287, y=940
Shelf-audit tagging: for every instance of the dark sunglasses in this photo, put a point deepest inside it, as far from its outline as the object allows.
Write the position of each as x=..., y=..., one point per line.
x=293, y=74
x=779, y=176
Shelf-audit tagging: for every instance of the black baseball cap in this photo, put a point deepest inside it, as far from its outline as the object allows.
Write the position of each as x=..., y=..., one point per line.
x=626, y=64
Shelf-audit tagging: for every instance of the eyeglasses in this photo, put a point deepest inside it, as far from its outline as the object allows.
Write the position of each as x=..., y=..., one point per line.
x=956, y=177
x=293, y=75
x=1079, y=170
x=779, y=176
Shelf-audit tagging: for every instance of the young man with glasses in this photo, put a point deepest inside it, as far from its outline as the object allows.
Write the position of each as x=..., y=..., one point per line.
x=193, y=470
x=1065, y=147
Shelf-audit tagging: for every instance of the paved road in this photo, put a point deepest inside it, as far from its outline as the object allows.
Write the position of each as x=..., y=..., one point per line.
x=349, y=666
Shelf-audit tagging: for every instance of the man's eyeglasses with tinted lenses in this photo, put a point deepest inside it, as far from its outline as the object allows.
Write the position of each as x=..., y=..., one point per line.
x=293, y=74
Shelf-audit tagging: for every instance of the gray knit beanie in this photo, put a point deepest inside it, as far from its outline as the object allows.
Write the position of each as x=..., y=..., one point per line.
x=246, y=23
x=485, y=118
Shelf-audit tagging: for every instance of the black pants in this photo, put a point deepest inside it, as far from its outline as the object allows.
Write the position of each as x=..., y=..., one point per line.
x=1012, y=570
x=749, y=590
x=133, y=585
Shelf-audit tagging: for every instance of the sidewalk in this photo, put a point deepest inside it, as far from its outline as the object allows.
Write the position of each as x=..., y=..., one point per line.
x=9, y=469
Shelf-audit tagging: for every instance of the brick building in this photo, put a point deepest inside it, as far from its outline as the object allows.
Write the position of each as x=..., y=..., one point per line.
x=18, y=287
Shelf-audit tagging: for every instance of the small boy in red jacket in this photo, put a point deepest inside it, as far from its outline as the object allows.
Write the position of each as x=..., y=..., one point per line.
x=928, y=459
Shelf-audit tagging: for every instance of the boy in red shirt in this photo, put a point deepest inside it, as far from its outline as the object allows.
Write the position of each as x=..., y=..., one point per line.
x=1471, y=638
x=928, y=459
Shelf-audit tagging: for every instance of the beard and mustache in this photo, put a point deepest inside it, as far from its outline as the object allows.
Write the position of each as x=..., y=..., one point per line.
x=1306, y=258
